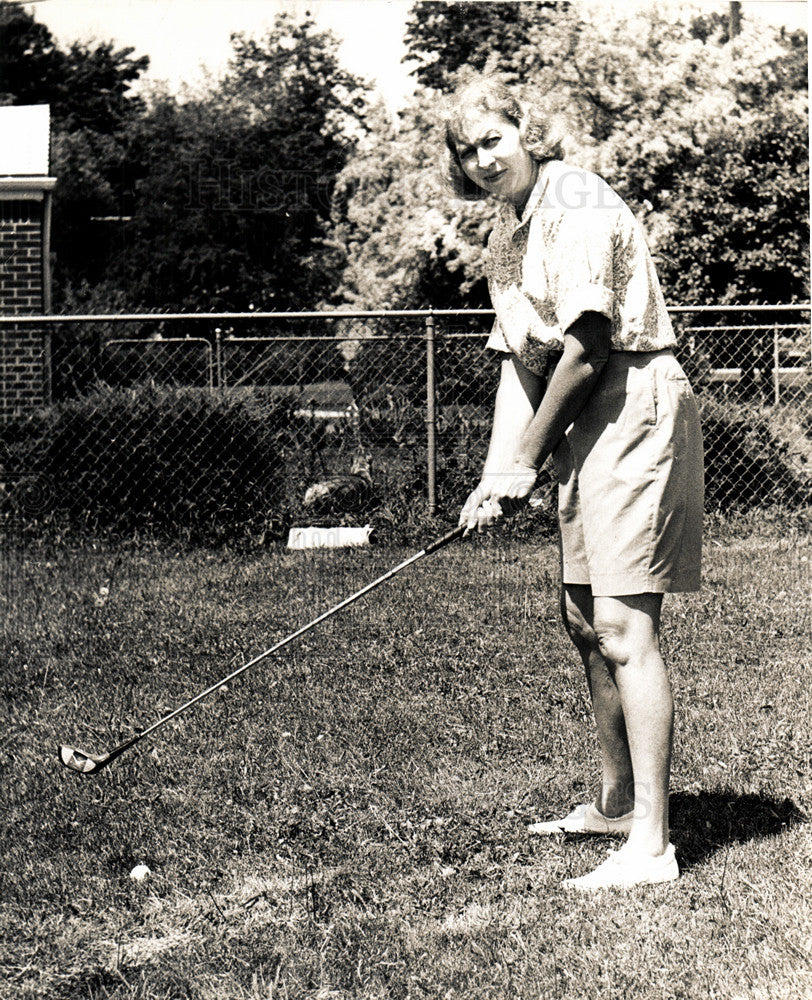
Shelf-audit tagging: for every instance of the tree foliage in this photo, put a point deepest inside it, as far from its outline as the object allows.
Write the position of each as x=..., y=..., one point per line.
x=714, y=156
x=89, y=90
x=658, y=104
x=442, y=38
x=279, y=186
x=236, y=184
x=747, y=245
x=221, y=197
x=31, y=60
x=87, y=87
x=399, y=238
x=95, y=90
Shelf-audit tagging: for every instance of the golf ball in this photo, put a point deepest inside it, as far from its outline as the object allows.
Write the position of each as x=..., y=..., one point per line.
x=140, y=872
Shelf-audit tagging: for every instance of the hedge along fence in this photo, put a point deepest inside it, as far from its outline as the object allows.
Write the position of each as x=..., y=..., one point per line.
x=209, y=440
x=172, y=461
x=209, y=467
x=747, y=459
x=213, y=468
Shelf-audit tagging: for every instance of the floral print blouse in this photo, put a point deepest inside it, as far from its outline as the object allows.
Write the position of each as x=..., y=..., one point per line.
x=577, y=248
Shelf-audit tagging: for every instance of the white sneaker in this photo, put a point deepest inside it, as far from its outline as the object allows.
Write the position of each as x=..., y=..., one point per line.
x=624, y=869
x=584, y=819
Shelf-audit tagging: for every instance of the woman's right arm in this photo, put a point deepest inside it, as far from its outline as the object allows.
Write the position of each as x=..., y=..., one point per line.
x=517, y=399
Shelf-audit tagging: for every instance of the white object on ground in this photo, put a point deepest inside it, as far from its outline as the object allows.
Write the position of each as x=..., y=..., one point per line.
x=140, y=872
x=328, y=538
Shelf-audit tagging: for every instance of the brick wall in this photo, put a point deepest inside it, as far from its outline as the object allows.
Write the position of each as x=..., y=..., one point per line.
x=23, y=369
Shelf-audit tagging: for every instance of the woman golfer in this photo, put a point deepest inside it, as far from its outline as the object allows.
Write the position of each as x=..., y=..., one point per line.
x=588, y=376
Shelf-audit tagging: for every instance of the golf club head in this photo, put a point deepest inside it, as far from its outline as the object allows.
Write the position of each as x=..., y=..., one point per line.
x=84, y=763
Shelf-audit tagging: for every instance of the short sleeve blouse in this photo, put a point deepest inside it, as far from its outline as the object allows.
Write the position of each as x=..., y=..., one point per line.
x=577, y=248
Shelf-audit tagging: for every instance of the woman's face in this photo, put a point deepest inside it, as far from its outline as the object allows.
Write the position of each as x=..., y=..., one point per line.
x=492, y=156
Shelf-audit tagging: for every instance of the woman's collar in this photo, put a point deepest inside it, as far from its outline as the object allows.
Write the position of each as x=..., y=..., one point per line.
x=535, y=197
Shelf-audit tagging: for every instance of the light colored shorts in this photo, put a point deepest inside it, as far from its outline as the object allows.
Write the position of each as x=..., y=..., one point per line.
x=630, y=473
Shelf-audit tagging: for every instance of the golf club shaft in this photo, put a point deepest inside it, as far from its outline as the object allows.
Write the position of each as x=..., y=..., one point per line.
x=433, y=547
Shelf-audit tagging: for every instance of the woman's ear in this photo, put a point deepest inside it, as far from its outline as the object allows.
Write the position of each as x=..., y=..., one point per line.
x=524, y=122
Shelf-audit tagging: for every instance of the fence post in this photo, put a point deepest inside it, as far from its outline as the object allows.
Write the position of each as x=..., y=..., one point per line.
x=218, y=359
x=776, y=371
x=431, y=444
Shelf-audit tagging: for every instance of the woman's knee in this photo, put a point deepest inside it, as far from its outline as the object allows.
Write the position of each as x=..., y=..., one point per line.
x=614, y=641
x=625, y=632
x=577, y=622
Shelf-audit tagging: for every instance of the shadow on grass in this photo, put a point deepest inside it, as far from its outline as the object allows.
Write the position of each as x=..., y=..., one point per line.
x=704, y=822
x=91, y=985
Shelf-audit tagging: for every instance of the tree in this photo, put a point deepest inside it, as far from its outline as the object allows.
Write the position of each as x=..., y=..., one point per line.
x=401, y=238
x=231, y=202
x=94, y=92
x=442, y=37
x=643, y=93
x=89, y=93
x=751, y=244
x=30, y=60
x=720, y=173
x=87, y=88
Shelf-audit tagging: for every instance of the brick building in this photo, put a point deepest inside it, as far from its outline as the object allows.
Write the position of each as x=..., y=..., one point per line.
x=25, y=282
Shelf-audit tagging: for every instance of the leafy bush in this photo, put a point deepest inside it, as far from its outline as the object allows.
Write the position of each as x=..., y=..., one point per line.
x=747, y=464
x=177, y=461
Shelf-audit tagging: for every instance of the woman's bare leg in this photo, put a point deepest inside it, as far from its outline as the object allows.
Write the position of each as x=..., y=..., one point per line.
x=627, y=631
x=616, y=796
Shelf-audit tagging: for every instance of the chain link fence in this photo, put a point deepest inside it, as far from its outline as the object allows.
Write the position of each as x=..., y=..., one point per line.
x=216, y=423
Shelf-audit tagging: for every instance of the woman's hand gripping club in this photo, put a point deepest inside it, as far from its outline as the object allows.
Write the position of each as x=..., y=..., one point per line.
x=499, y=494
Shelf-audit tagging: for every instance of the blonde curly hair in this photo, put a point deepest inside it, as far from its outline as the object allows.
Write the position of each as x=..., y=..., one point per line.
x=541, y=134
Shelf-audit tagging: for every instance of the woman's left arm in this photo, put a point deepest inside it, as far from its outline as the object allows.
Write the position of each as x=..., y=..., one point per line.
x=586, y=349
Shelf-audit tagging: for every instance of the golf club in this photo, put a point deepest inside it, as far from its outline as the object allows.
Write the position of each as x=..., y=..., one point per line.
x=88, y=763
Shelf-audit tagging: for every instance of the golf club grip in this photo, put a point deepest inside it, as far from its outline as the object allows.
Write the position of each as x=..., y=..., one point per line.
x=448, y=537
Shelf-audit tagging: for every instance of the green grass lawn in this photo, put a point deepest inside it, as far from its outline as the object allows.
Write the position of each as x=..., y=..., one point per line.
x=348, y=819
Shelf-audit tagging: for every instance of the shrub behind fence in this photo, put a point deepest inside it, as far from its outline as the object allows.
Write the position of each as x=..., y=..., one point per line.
x=213, y=426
